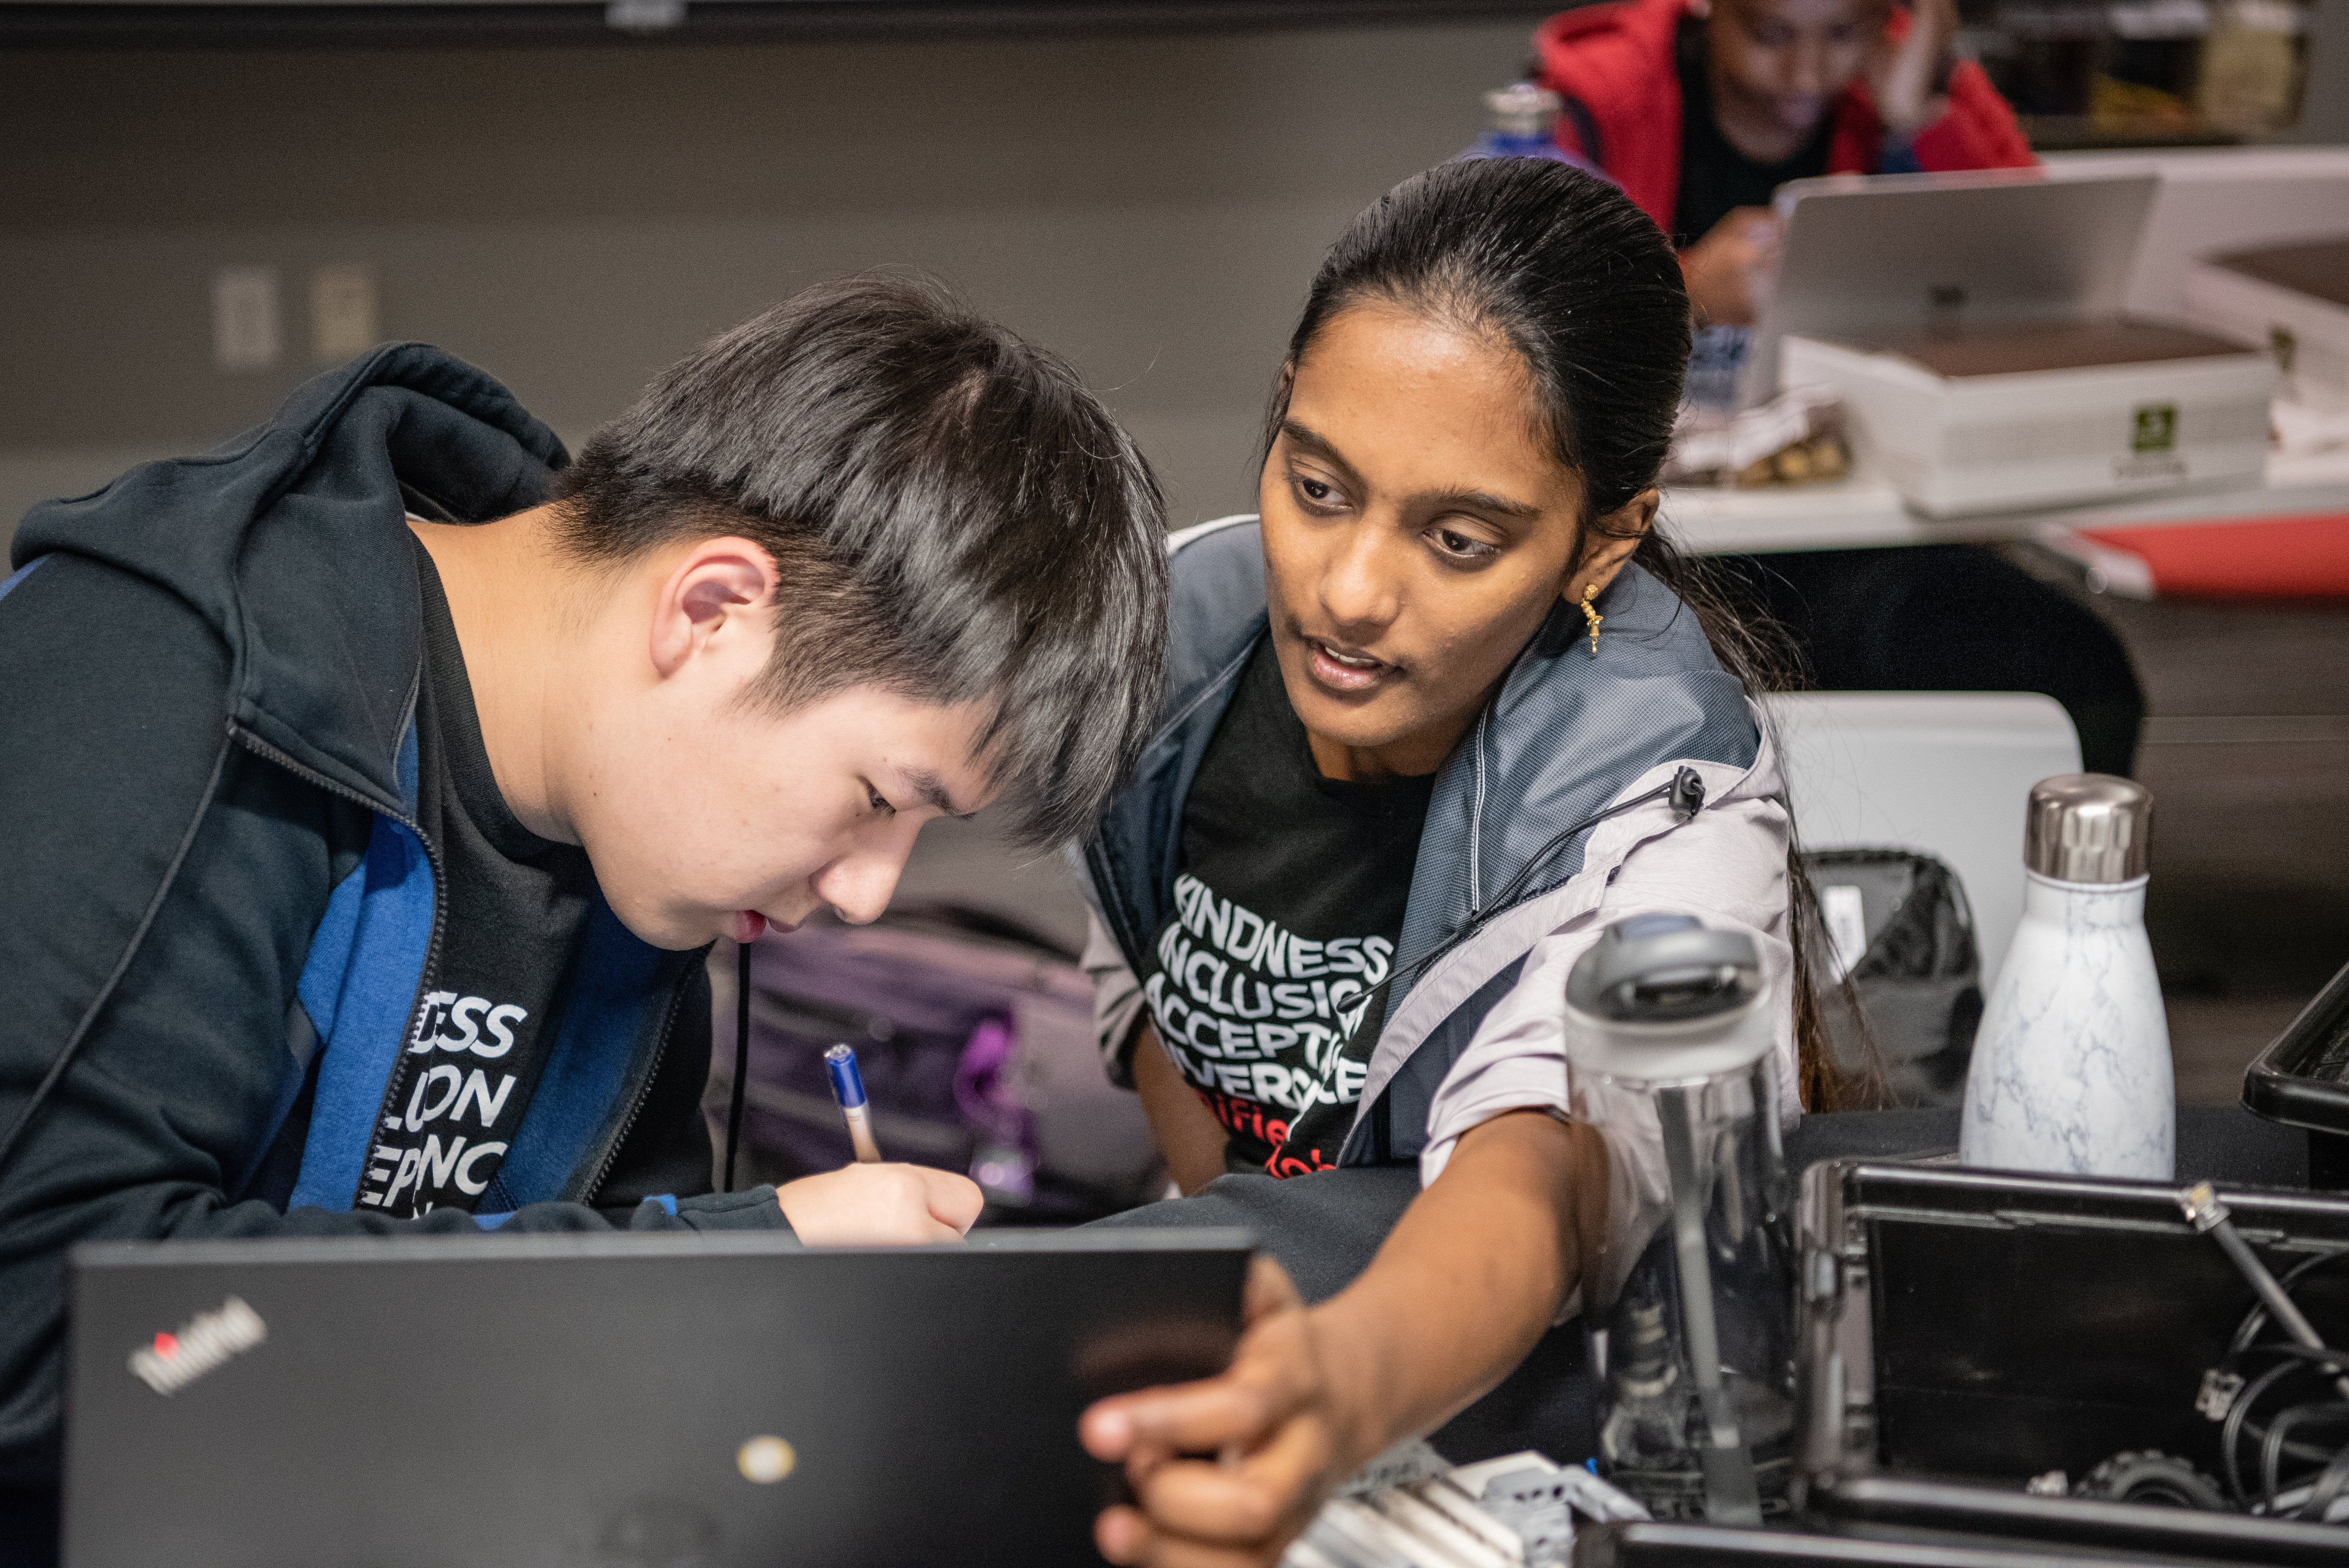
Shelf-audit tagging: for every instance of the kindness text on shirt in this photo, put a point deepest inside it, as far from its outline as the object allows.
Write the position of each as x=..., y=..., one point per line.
x=1250, y=1012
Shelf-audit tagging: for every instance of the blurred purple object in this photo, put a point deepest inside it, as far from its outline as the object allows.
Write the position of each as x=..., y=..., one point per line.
x=976, y=1044
x=1005, y=1163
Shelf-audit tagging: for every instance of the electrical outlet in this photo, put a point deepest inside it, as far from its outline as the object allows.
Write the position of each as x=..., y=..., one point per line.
x=245, y=334
x=342, y=312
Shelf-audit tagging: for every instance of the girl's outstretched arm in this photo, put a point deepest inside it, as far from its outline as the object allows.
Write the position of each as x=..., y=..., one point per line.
x=1228, y=1469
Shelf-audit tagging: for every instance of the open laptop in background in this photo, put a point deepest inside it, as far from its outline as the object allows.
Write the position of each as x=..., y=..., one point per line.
x=616, y=1401
x=1866, y=255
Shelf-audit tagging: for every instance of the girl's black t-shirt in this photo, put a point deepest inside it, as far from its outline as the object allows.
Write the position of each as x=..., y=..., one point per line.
x=1265, y=985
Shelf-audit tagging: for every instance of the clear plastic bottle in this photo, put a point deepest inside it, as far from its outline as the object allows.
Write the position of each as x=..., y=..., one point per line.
x=1670, y=1032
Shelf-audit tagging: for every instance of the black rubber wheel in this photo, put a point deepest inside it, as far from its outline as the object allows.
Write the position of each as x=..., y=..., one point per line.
x=2149, y=1476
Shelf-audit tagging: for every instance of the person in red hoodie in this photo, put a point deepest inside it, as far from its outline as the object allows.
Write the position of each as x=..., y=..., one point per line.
x=1701, y=109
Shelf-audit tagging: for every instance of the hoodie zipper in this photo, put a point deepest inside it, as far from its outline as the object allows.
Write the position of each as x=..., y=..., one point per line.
x=308, y=775
x=636, y=1103
x=311, y=776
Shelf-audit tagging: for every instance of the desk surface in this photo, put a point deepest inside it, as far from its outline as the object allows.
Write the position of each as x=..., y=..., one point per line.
x=1864, y=511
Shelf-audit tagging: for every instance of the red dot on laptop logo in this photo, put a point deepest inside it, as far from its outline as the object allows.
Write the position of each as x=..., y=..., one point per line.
x=167, y=1344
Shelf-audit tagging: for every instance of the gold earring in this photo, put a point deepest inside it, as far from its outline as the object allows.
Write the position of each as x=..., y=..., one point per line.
x=1592, y=616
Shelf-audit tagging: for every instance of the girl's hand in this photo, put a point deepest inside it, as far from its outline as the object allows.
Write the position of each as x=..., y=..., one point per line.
x=1274, y=1418
x=1464, y=1286
x=1908, y=78
x=884, y=1205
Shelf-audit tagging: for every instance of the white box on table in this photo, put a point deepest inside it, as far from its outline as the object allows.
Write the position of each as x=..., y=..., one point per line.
x=2292, y=300
x=2026, y=414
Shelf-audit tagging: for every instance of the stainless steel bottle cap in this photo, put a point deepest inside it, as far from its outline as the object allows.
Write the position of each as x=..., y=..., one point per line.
x=2089, y=827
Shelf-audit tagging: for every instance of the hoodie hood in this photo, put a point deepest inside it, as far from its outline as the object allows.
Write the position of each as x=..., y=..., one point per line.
x=281, y=538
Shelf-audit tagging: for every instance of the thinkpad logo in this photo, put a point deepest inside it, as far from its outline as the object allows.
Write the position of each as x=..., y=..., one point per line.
x=211, y=1339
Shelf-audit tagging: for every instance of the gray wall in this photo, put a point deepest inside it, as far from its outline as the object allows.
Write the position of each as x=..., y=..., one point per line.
x=2324, y=114
x=574, y=219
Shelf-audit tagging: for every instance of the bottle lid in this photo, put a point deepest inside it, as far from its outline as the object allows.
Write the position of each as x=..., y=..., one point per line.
x=1662, y=997
x=2088, y=828
x=1663, y=968
x=1523, y=109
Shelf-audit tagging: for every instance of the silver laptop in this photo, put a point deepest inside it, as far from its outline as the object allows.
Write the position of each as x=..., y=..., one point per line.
x=1866, y=255
x=616, y=1401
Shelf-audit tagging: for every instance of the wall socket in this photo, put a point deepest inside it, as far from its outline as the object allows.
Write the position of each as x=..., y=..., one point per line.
x=343, y=316
x=245, y=333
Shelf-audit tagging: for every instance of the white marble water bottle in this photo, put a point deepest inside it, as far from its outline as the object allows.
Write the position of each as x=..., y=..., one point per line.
x=2071, y=1067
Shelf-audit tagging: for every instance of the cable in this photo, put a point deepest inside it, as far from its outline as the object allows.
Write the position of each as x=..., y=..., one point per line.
x=2256, y=1319
x=742, y=1056
x=2272, y=1445
x=2201, y=1205
x=2238, y=1416
x=2309, y=1492
x=2328, y=1487
x=1686, y=793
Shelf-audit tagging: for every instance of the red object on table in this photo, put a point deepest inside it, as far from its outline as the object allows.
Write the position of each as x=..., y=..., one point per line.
x=2303, y=557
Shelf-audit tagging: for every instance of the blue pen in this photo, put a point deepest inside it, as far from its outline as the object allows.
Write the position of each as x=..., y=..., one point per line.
x=848, y=1089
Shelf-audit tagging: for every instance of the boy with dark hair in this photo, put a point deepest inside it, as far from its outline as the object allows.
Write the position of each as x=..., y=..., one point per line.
x=374, y=785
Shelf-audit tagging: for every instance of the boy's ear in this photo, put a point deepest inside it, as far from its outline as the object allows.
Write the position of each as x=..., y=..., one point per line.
x=719, y=593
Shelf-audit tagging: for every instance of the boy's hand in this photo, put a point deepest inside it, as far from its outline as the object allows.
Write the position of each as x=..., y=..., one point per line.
x=1907, y=78
x=1275, y=1418
x=887, y=1205
x=1728, y=272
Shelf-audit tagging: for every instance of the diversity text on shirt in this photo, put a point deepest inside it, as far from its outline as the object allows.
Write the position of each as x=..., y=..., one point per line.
x=409, y=1165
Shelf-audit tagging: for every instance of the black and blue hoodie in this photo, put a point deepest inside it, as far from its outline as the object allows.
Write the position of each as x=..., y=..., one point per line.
x=218, y=910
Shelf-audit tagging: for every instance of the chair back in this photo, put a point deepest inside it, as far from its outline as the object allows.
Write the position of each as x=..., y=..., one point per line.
x=1949, y=773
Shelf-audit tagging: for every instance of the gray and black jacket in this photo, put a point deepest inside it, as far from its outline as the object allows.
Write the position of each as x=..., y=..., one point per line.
x=1472, y=1025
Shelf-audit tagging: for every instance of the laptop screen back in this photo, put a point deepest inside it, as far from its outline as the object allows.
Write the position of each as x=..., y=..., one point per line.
x=1868, y=255
x=641, y=1402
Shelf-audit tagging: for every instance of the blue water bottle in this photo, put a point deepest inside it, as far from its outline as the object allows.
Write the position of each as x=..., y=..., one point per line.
x=1523, y=123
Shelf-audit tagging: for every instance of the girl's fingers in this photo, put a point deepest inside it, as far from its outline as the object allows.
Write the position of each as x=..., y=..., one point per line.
x=1122, y=1536
x=1268, y=1289
x=1263, y=1500
x=1272, y=1377
x=1207, y=1418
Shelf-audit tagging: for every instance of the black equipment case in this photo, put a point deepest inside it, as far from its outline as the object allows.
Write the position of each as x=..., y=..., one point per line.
x=1967, y=1330
x=2302, y=1081
x=1970, y=1329
x=1964, y=1331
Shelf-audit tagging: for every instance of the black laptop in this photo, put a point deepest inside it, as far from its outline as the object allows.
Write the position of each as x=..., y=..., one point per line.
x=616, y=1401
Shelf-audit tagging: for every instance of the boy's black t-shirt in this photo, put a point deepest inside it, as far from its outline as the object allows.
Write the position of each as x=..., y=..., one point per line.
x=1288, y=906
x=514, y=907
x=1715, y=177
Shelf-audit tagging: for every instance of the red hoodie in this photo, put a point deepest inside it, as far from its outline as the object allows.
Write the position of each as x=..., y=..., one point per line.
x=1614, y=65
